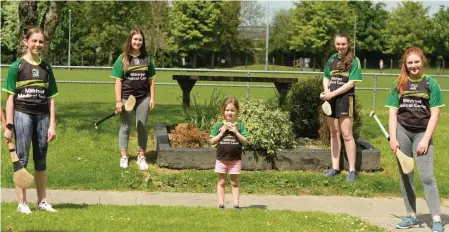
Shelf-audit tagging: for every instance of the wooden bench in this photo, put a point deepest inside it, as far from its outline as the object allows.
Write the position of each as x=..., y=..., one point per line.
x=187, y=82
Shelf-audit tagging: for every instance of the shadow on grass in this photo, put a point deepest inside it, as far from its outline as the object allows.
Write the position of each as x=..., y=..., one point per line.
x=261, y=207
x=83, y=115
x=70, y=206
x=151, y=156
x=41, y=230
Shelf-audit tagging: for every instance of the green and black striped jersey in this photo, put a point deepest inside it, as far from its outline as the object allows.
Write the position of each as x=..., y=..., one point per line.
x=415, y=103
x=135, y=78
x=338, y=78
x=31, y=86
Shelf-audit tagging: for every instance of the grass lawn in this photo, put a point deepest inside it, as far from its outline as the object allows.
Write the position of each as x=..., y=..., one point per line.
x=88, y=159
x=71, y=217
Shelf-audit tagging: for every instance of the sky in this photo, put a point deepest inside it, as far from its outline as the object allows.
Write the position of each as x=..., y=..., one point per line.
x=434, y=5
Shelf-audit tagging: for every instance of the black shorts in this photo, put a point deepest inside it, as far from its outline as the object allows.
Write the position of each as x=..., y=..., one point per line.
x=342, y=106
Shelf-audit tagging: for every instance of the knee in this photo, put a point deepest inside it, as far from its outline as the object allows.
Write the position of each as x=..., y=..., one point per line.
x=222, y=182
x=234, y=184
x=347, y=135
x=334, y=132
x=40, y=165
x=428, y=180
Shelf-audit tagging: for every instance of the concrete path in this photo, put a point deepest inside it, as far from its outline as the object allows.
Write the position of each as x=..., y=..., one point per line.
x=383, y=212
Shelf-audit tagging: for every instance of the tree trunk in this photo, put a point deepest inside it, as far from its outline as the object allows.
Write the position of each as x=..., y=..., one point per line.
x=50, y=20
x=195, y=55
x=28, y=18
x=212, y=60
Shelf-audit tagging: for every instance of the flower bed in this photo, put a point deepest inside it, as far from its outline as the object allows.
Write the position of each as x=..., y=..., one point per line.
x=368, y=157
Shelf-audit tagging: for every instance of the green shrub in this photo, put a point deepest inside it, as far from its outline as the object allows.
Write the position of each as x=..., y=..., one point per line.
x=303, y=103
x=204, y=115
x=268, y=126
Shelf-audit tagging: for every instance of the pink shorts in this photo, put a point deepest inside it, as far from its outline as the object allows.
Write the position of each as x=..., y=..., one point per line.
x=231, y=166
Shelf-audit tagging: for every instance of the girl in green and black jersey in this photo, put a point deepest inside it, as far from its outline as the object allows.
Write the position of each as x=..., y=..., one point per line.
x=340, y=75
x=134, y=75
x=30, y=113
x=414, y=108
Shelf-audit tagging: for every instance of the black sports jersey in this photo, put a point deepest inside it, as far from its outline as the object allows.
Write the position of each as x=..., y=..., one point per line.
x=31, y=85
x=135, y=78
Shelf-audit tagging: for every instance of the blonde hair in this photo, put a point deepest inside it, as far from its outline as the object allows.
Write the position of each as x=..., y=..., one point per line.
x=227, y=101
x=401, y=82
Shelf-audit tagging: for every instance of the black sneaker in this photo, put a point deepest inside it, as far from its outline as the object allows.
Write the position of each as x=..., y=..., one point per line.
x=221, y=207
x=236, y=207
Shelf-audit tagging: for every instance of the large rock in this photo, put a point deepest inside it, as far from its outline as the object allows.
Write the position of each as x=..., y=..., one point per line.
x=368, y=158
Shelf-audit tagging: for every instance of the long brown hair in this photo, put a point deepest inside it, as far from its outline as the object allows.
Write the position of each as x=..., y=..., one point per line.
x=403, y=76
x=346, y=63
x=128, y=47
x=229, y=100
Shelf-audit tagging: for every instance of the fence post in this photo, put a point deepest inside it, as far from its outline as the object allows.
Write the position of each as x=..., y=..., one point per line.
x=364, y=65
x=375, y=89
x=273, y=63
x=443, y=66
x=247, y=87
x=391, y=65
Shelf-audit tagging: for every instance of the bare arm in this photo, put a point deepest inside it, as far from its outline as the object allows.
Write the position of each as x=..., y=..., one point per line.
x=152, y=93
x=217, y=138
x=118, y=95
x=325, y=85
x=392, y=128
x=343, y=89
x=9, y=117
x=52, y=127
x=10, y=109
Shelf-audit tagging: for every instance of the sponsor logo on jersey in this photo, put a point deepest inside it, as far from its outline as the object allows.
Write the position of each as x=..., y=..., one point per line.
x=35, y=72
x=413, y=86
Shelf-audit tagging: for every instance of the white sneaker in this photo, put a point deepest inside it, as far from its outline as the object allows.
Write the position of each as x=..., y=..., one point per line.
x=141, y=161
x=46, y=206
x=23, y=208
x=124, y=162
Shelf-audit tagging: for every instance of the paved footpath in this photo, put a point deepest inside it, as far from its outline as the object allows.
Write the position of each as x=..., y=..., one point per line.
x=382, y=212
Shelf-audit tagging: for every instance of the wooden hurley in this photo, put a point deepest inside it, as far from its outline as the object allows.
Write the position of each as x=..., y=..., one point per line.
x=21, y=177
x=406, y=162
x=129, y=105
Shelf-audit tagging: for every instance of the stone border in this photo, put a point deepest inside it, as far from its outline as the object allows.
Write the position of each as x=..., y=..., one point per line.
x=367, y=159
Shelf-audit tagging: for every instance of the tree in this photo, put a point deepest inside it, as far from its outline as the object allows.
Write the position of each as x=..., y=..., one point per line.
x=371, y=19
x=407, y=26
x=252, y=13
x=279, y=35
x=440, y=33
x=9, y=29
x=314, y=23
x=155, y=27
x=28, y=15
x=194, y=26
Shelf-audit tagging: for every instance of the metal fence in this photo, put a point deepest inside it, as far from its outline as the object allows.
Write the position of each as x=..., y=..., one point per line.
x=248, y=73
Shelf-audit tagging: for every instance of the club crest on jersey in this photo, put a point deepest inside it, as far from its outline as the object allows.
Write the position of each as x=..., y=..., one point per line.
x=136, y=61
x=413, y=86
x=35, y=72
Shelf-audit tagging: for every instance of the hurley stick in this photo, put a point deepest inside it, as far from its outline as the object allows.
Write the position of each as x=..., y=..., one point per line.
x=406, y=162
x=21, y=177
x=129, y=105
